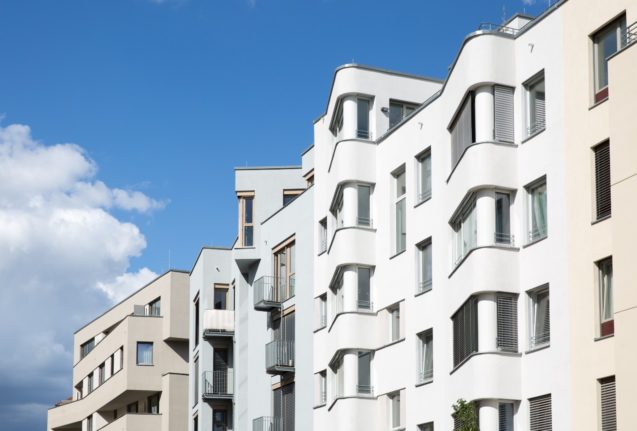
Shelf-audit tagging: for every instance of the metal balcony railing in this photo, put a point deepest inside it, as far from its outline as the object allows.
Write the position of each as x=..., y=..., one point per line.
x=540, y=339
x=279, y=356
x=538, y=233
x=424, y=286
x=501, y=238
x=267, y=423
x=364, y=221
x=364, y=389
x=425, y=375
x=496, y=28
x=631, y=35
x=217, y=384
x=270, y=292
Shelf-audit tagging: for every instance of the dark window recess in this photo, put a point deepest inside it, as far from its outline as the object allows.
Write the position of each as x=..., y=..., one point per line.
x=465, y=331
x=602, y=180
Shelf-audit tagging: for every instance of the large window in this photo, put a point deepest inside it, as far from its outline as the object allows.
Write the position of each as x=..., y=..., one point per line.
x=608, y=404
x=537, y=212
x=602, y=181
x=364, y=382
x=363, y=108
x=400, y=228
x=540, y=413
x=399, y=111
x=507, y=310
x=364, y=217
x=364, y=288
x=540, y=317
x=606, y=42
x=144, y=353
x=284, y=258
x=465, y=231
x=153, y=404
x=605, y=283
x=535, y=104
x=425, y=273
x=426, y=356
x=503, y=219
x=462, y=129
x=246, y=219
x=424, y=176
x=465, y=331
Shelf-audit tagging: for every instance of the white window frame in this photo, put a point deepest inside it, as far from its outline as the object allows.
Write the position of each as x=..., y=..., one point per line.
x=421, y=160
x=360, y=133
x=404, y=107
x=399, y=201
x=465, y=228
x=533, y=128
x=424, y=284
x=425, y=369
x=537, y=341
x=540, y=232
x=394, y=400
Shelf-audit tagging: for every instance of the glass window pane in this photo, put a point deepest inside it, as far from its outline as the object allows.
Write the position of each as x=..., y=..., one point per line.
x=502, y=218
x=220, y=298
x=425, y=178
x=248, y=237
x=248, y=210
x=363, y=119
x=401, y=230
x=364, y=217
x=364, y=284
x=364, y=372
x=401, y=186
x=144, y=353
x=395, y=114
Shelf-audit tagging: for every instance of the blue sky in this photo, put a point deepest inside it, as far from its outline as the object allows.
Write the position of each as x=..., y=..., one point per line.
x=161, y=99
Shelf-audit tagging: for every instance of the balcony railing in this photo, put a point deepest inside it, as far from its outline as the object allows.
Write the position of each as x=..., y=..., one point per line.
x=424, y=286
x=631, y=34
x=267, y=423
x=363, y=221
x=501, y=238
x=217, y=384
x=218, y=323
x=538, y=233
x=279, y=356
x=364, y=389
x=425, y=375
x=536, y=127
x=270, y=292
x=540, y=340
x=496, y=28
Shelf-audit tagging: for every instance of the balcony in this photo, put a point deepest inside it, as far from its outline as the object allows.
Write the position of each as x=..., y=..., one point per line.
x=218, y=323
x=279, y=357
x=270, y=292
x=135, y=422
x=267, y=423
x=217, y=385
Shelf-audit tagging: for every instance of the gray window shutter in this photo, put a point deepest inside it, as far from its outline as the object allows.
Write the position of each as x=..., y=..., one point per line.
x=465, y=331
x=608, y=404
x=503, y=97
x=462, y=130
x=505, y=417
x=541, y=416
x=602, y=180
x=507, y=309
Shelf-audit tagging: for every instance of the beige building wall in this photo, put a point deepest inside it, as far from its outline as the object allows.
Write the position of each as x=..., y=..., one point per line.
x=588, y=124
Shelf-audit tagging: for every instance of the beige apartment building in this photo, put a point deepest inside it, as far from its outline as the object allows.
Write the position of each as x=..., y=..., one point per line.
x=130, y=369
x=601, y=153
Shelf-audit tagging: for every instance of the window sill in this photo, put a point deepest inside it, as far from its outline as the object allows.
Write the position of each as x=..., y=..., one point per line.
x=357, y=396
x=145, y=365
x=422, y=292
x=320, y=329
x=533, y=135
x=248, y=247
x=599, y=220
x=535, y=241
x=398, y=253
x=322, y=252
x=538, y=348
x=319, y=406
x=604, y=337
x=596, y=104
x=422, y=202
x=390, y=344
x=424, y=383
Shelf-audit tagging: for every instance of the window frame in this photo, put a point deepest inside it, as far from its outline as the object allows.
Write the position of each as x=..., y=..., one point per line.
x=463, y=225
x=243, y=223
x=533, y=295
x=360, y=304
x=425, y=371
x=541, y=232
x=291, y=194
x=606, y=325
x=218, y=287
x=424, y=285
x=323, y=235
x=394, y=410
x=403, y=106
x=504, y=238
x=529, y=85
x=618, y=24
x=400, y=206
x=394, y=323
x=601, y=151
x=361, y=133
x=364, y=389
x=360, y=220
x=423, y=195
x=152, y=354
x=288, y=249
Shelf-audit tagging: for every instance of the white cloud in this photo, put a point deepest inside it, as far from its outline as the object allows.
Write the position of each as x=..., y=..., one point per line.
x=64, y=258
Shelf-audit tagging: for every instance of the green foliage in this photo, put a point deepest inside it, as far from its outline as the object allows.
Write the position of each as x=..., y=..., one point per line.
x=466, y=415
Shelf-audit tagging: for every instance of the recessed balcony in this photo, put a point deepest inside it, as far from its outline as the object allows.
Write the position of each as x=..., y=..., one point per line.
x=218, y=323
x=217, y=385
x=270, y=292
x=279, y=357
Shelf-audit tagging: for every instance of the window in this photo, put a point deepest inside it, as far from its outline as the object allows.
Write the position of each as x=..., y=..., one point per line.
x=400, y=190
x=540, y=321
x=196, y=313
x=503, y=219
x=505, y=416
x=338, y=379
x=426, y=356
x=394, y=314
x=337, y=209
x=246, y=219
x=144, y=353
x=606, y=42
x=112, y=364
x=364, y=205
x=89, y=423
x=154, y=308
x=195, y=394
x=399, y=111
x=535, y=105
x=323, y=311
x=424, y=176
x=602, y=181
x=364, y=288
x=362, y=129
x=465, y=331
x=114, y=414
x=283, y=408
x=507, y=316
x=321, y=386
x=221, y=297
x=424, y=266
x=541, y=416
x=503, y=130
x=429, y=426
x=284, y=270
x=290, y=195
x=89, y=383
x=132, y=407
x=364, y=385
x=537, y=216
x=195, y=423
x=86, y=348
x=102, y=373
x=462, y=129
x=605, y=283
x=394, y=406
x=323, y=235
x=465, y=231
x=608, y=405
x=153, y=404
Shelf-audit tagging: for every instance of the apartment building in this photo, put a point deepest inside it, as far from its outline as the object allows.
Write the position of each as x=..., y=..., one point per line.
x=130, y=367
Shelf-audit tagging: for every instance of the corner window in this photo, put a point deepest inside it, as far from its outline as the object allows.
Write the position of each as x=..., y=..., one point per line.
x=364, y=383
x=364, y=217
x=540, y=318
x=362, y=109
x=602, y=181
x=537, y=214
x=540, y=413
x=606, y=42
x=424, y=176
x=246, y=219
x=605, y=283
x=426, y=356
x=144, y=353
x=153, y=404
x=465, y=331
x=503, y=219
x=323, y=235
x=608, y=404
x=535, y=105
x=364, y=288
x=400, y=228
x=465, y=231
x=86, y=348
x=399, y=111
x=425, y=273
